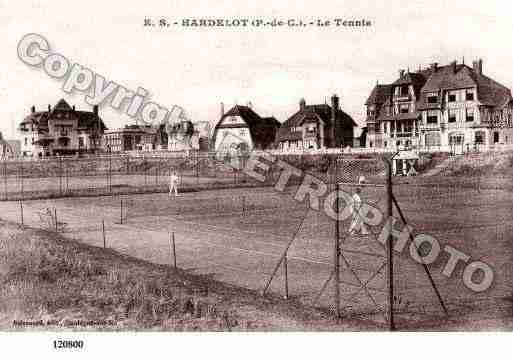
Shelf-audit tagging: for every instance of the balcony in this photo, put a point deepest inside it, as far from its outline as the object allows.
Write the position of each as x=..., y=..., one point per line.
x=431, y=127
x=402, y=98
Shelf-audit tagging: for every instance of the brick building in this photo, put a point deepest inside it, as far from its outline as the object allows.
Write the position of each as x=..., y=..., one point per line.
x=317, y=127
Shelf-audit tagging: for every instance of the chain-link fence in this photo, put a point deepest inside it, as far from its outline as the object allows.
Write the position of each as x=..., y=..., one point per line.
x=252, y=235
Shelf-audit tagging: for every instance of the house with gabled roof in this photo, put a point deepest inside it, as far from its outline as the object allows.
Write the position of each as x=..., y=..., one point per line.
x=61, y=130
x=242, y=129
x=316, y=127
x=454, y=107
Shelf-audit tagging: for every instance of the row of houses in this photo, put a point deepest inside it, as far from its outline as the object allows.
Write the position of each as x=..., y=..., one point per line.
x=453, y=108
x=450, y=108
x=64, y=130
x=311, y=127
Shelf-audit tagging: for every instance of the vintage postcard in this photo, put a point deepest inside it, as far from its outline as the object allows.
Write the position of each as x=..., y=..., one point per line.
x=219, y=166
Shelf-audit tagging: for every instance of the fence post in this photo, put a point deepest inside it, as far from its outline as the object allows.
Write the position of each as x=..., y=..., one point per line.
x=197, y=167
x=22, y=188
x=110, y=172
x=336, y=255
x=286, y=274
x=121, y=212
x=173, y=248
x=243, y=204
x=5, y=179
x=56, y=222
x=60, y=175
x=390, y=254
x=103, y=234
x=21, y=211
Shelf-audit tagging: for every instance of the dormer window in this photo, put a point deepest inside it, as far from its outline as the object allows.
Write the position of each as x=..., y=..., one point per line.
x=451, y=97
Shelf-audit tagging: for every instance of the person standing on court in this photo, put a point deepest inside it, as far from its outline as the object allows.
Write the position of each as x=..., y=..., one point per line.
x=173, y=184
x=357, y=223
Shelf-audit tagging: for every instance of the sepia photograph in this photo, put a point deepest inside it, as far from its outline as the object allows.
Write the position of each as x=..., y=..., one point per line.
x=333, y=170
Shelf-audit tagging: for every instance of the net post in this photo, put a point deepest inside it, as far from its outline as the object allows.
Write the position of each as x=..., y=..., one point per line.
x=389, y=249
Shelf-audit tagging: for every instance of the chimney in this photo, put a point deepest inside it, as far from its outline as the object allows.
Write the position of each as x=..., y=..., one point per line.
x=73, y=107
x=95, y=110
x=49, y=108
x=434, y=66
x=478, y=66
x=334, y=102
x=222, y=110
x=33, y=109
x=302, y=104
x=453, y=65
x=401, y=73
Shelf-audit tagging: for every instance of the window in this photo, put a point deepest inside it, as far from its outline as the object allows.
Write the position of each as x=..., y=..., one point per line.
x=242, y=132
x=26, y=141
x=432, y=98
x=386, y=144
x=408, y=126
x=496, y=137
x=451, y=97
x=432, y=117
x=404, y=108
x=469, y=95
x=81, y=141
x=452, y=116
x=404, y=90
x=433, y=139
x=385, y=127
x=479, y=137
x=470, y=115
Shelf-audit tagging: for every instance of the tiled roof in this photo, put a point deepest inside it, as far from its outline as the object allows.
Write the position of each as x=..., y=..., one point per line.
x=379, y=94
x=62, y=105
x=311, y=113
x=446, y=77
x=262, y=130
x=86, y=119
x=453, y=76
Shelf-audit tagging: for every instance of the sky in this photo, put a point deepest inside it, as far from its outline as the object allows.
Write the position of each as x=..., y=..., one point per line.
x=273, y=68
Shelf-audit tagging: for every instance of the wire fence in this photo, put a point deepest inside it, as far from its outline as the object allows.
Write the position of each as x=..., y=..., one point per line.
x=276, y=243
